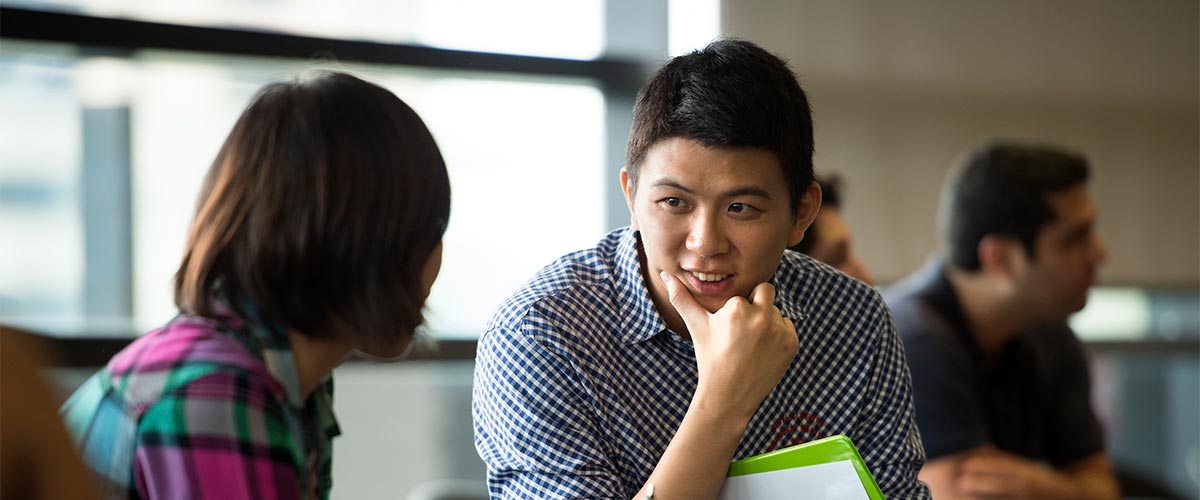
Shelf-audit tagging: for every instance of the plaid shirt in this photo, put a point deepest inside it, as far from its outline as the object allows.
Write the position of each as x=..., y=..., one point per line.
x=205, y=408
x=580, y=386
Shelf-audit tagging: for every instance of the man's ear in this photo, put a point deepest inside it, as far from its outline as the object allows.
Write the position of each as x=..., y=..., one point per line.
x=1001, y=256
x=806, y=213
x=627, y=188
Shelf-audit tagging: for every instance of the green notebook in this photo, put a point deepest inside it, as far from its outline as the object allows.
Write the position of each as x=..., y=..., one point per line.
x=831, y=465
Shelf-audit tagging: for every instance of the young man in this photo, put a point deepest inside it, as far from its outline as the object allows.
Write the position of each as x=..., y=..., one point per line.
x=828, y=239
x=1001, y=382
x=690, y=339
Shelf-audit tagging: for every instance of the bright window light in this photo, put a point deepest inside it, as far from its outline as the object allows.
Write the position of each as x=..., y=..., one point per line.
x=553, y=28
x=525, y=158
x=550, y=28
x=1113, y=314
x=692, y=24
x=527, y=177
x=41, y=250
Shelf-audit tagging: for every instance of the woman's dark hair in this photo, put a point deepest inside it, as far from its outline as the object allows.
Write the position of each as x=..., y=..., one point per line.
x=1002, y=189
x=731, y=94
x=322, y=206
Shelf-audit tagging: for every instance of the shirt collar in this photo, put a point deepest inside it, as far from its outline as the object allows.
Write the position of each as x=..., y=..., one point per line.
x=940, y=294
x=275, y=349
x=269, y=341
x=640, y=319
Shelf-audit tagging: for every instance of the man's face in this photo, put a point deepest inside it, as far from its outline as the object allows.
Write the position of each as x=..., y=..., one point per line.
x=1055, y=282
x=833, y=245
x=717, y=219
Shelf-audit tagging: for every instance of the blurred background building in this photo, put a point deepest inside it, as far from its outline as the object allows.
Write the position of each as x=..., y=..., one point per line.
x=111, y=110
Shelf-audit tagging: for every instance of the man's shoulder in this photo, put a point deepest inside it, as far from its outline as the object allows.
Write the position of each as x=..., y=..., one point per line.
x=821, y=288
x=580, y=281
x=927, y=330
x=1055, y=342
x=908, y=293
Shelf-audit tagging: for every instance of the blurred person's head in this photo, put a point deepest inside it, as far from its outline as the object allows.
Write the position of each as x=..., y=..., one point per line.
x=828, y=238
x=324, y=211
x=1022, y=214
x=718, y=174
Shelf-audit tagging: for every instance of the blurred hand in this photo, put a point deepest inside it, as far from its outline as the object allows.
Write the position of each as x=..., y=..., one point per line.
x=742, y=349
x=992, y=473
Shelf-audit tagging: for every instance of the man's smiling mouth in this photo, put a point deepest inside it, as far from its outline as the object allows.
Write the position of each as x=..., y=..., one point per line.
x=709, y=278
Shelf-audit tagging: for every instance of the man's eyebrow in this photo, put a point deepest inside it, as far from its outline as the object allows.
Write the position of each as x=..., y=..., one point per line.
x=748, y=191
x=740, y=191
x=1080, y=229
x=671, y=183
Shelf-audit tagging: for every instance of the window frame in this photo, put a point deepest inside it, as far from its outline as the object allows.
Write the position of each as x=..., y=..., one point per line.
x=617, y=78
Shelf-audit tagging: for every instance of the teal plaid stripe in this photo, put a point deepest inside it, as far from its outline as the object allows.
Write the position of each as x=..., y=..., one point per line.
x=204, y=408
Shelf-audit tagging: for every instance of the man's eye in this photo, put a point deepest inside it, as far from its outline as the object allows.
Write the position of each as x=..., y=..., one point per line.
x=673, y=202
x=738, y=208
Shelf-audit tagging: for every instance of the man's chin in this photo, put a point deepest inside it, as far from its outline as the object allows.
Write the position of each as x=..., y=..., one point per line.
x=1062, y=313
x=712, y=303
x=1080, y=301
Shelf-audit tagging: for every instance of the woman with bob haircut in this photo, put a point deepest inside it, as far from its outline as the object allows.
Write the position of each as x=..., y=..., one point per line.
x=318, y=232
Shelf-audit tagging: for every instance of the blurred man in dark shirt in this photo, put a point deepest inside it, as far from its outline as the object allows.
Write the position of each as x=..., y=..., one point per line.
x=1000, y=381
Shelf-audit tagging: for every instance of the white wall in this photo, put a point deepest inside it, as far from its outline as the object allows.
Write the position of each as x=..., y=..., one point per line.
x=900, y=89
x=405, y=427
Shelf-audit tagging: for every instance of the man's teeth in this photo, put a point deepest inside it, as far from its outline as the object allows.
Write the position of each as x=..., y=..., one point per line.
x=710, y=277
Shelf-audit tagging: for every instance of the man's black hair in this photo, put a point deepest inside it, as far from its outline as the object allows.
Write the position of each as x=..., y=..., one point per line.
x=731, y=94
x=1002, y=189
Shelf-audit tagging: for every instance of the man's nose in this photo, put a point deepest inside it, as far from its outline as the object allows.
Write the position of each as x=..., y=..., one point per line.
x=1099, y=250
x=706, y=236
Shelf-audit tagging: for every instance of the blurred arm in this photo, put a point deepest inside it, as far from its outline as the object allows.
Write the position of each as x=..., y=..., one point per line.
x=985, y=472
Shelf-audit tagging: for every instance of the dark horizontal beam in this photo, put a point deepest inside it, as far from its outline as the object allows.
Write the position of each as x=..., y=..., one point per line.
x=126, y=34
x=94, y=352
x=1155, y=346
x=90, y=351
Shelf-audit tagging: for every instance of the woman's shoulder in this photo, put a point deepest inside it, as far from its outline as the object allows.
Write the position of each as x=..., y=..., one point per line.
x=186, y=350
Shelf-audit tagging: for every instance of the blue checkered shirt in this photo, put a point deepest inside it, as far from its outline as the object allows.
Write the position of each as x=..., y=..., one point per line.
x=580, y=385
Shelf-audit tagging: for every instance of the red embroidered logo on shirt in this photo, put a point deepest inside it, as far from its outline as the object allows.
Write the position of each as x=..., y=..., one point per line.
x=796, y=428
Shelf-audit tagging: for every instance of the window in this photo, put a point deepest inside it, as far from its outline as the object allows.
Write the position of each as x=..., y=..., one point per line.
x=523, y=156
x=42, y=268
x=105, y=148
